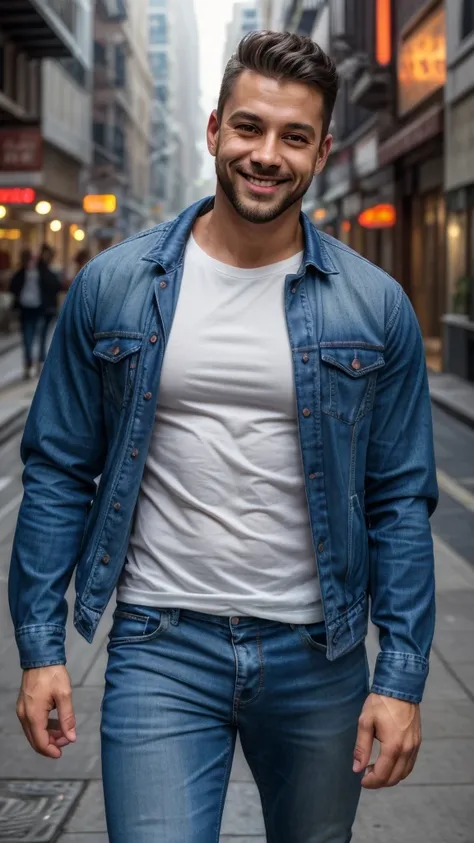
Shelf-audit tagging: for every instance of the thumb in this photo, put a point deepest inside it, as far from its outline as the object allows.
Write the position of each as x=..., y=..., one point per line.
x=364, y=743
x=66, y=716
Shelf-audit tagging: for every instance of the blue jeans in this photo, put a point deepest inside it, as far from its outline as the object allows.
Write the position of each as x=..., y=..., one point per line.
x=30, y=319
x=181, y=685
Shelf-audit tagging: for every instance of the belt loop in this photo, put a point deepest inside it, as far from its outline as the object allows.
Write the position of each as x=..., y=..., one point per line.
x=174, y=616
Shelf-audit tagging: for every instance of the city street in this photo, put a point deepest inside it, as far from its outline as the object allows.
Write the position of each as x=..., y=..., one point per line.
x=45, y=801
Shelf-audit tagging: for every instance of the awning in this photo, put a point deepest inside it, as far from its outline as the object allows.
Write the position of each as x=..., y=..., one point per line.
x=36, y=28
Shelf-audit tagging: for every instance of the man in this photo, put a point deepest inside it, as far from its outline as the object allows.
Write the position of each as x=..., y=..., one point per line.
x=253, y=395
x=35, y=288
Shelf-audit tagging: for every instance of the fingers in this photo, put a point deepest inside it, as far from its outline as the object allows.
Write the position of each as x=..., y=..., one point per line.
x=378, y=774
x=391, y=767
x=42, y=691
x=364, y=743
x=35, y=727
x=67, y=720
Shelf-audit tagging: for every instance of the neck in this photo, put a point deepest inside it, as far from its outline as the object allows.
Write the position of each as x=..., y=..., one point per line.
x=229, y=238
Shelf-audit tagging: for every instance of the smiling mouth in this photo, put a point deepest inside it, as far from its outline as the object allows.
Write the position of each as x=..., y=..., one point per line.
x=262, y=182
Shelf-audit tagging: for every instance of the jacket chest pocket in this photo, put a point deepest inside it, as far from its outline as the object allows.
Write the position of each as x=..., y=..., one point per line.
x=119, y=360
x=348, y=379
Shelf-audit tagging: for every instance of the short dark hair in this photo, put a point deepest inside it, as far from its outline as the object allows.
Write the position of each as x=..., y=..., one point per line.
x=283, y=56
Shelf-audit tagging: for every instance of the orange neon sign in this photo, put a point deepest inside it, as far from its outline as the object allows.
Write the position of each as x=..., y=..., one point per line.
x=422, y=62
x=383, y=32
x=378, y=216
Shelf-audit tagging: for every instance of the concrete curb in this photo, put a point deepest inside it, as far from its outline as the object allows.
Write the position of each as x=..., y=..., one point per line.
x=441, y=400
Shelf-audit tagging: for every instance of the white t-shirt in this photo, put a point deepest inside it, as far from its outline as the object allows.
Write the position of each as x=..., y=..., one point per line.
x=30, y=295
x=222, y=523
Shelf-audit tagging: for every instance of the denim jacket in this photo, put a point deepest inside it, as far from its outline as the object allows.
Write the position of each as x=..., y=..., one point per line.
x=365, y=430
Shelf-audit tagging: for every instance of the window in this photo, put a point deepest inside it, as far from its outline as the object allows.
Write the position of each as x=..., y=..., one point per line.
x=161, y=93
x=158, y=4
x=159, y=65
x=467, y=18
x=158, y=29
x=250, y=14
x=120, y=66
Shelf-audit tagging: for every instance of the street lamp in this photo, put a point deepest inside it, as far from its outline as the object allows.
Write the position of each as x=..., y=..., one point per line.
x=43, y=208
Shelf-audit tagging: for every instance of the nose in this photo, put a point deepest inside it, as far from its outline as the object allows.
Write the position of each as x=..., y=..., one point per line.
x=266, y=153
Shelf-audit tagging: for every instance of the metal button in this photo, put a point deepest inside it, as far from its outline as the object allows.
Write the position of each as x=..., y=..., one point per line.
x=320, y=547
x=312, y=476
x=356, y=364
x=116, y=351
x=306, y=412
x=235, y=620
x=293, y=290
x=153, y=339
x=305, y=358
x=106, y=559
x=134, y=453
x=147, y=396
x=117, y=506
x=163, y=284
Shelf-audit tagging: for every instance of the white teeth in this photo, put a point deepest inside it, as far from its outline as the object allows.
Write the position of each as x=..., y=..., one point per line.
x=261, y=182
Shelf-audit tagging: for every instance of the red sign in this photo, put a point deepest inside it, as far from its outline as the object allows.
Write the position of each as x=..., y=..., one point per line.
x=21, y=150
x=379, y=216
x=17, y=195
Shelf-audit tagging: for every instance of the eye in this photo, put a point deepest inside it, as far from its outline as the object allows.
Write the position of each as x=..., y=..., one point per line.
x=298, y=139
x=247, y=127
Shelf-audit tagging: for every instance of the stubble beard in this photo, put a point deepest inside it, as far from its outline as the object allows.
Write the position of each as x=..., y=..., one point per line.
x=257, y=214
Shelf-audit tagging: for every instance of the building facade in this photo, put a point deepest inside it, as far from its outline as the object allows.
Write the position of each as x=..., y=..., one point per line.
x=382, y=191
x=45, y=126
x=176, y=117
x=458, y=322
x=245, y=18
x=123, y=91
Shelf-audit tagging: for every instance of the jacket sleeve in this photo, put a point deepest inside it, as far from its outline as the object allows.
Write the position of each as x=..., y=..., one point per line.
x=63, y=450
x=401, y=494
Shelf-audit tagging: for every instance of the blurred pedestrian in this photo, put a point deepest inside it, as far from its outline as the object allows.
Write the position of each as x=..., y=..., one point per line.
x=80, y=259
x=50, y=287
x=25, y=287
x=254, y=396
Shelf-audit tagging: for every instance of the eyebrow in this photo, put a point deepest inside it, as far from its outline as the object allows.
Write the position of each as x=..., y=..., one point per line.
x=254, y=118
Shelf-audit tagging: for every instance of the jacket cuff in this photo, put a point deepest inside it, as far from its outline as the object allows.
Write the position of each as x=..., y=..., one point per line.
x=41, y=645
x=400, y=675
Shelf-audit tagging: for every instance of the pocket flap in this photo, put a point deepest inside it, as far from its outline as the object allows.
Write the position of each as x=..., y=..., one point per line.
x=355, y=362
x=114, y=349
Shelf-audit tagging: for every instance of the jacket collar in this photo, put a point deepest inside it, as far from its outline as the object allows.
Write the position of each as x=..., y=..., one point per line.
x=168, y=250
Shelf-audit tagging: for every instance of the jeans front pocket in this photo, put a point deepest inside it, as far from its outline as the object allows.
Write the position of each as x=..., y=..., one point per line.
x=348, y=379
x=136, y=624
x=313, y=635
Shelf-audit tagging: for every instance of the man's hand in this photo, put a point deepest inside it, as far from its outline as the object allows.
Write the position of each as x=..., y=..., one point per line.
x=397, y=726
x=44, y=689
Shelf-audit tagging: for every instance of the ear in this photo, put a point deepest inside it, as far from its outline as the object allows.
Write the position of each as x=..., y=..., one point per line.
x=213, y=133
x=323, y=153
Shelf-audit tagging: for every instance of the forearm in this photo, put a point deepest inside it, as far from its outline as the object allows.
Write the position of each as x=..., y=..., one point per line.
x=402, y=590
x=48, y=537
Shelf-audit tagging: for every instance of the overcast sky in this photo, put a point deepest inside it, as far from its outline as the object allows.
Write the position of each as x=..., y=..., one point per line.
x=212, y=15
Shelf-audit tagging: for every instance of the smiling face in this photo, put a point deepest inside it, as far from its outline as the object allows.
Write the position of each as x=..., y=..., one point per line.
x=268, y=145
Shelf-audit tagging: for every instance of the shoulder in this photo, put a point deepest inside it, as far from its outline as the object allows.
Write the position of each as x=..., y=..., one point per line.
x=124, y=254
x=363, y=279
x=115, y=273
